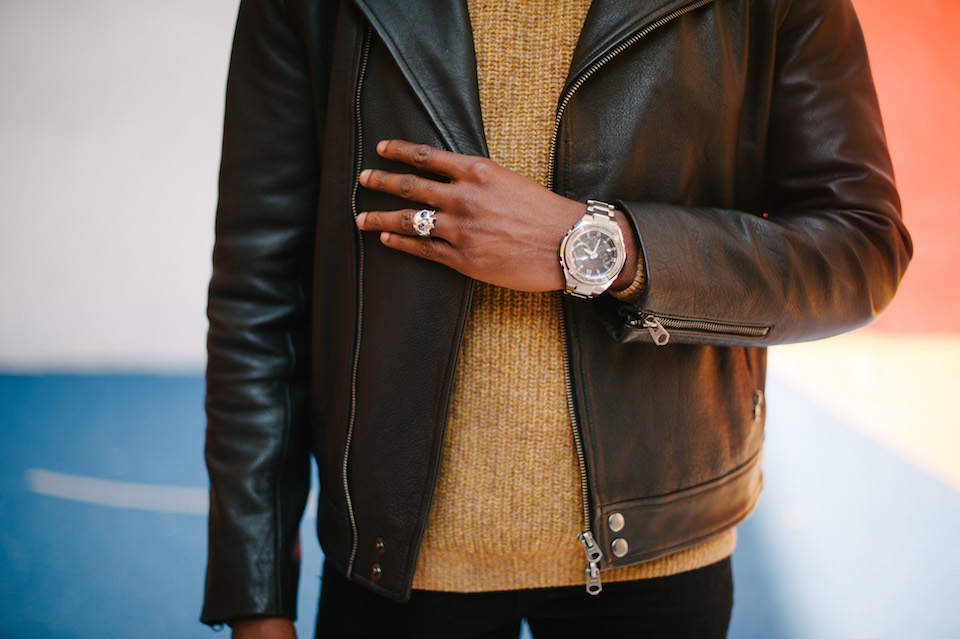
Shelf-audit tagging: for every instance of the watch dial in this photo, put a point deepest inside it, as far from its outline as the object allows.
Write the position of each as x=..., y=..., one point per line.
x=594, y=256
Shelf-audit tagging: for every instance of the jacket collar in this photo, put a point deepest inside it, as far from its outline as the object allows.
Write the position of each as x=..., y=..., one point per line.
x=432, y=43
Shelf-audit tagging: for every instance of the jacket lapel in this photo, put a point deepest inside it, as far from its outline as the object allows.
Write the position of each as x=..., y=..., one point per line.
x=433, y=45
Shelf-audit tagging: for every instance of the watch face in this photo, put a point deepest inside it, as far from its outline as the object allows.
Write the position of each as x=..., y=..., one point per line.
x=592, y=255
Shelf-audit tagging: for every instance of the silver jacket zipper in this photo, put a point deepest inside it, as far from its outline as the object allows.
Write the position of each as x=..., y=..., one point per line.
x=657, y=325
x=586, y=538
x=590, y=547
x=356, y=353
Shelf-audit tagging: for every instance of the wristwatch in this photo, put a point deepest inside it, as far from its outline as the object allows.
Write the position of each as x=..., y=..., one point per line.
x=592, y=252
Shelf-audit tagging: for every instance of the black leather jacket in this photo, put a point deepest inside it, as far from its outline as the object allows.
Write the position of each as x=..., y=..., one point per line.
x=743, y=139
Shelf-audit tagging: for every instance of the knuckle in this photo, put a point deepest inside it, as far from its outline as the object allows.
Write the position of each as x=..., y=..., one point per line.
x=479, y=170
x=422, y=153
x=406, y=222
x=425, y=248
x=407, y=185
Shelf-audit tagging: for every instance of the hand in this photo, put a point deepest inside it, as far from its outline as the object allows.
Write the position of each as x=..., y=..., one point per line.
x=264, y=628
x=492, y=224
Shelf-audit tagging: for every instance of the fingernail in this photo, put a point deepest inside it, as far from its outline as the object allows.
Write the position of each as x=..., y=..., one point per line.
x=364, y=174
x=381, y=146
x=361, y=219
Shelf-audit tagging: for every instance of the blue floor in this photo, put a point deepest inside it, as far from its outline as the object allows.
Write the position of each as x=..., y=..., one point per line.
x=849, y=540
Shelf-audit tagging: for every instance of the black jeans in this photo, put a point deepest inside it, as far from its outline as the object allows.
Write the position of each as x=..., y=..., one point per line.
x=691, y=605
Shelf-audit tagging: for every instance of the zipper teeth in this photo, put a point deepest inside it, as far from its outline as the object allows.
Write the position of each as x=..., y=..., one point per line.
x=356, y=352
x=714, y=327
x=561, y=108
x=623, y=46
x=577, y=440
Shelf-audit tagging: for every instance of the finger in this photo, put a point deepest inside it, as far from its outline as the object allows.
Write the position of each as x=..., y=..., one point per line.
x=405, y=185
x=401, y=222
x=427, y=248
x=424, y=156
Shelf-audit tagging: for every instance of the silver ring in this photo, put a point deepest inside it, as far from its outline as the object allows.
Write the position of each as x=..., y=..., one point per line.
x=424, y=221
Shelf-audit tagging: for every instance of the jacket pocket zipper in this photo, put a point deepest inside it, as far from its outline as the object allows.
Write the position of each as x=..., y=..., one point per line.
x=657, y=326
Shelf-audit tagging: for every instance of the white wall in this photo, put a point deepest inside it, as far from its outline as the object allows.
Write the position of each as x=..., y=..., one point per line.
x=110, y=117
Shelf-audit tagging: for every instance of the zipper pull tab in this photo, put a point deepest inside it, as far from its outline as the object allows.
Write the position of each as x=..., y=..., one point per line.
x=594, y=555
x=657, y=331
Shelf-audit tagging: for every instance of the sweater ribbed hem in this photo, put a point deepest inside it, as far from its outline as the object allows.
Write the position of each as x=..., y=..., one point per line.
x=452, y=570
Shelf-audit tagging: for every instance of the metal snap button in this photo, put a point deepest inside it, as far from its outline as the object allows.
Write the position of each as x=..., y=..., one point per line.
x=616, y=522
x=380, y=545
x=620, y=547
x=376, y=572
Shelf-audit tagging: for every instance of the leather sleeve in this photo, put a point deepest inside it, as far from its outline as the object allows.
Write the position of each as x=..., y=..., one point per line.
x=257, y=373
x=826, y=252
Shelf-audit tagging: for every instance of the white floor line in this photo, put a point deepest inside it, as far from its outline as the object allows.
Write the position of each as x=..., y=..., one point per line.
x=119, y=494
x=181, y=500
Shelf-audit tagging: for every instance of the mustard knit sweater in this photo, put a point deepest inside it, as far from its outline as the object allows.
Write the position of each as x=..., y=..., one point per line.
x=507, y=508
